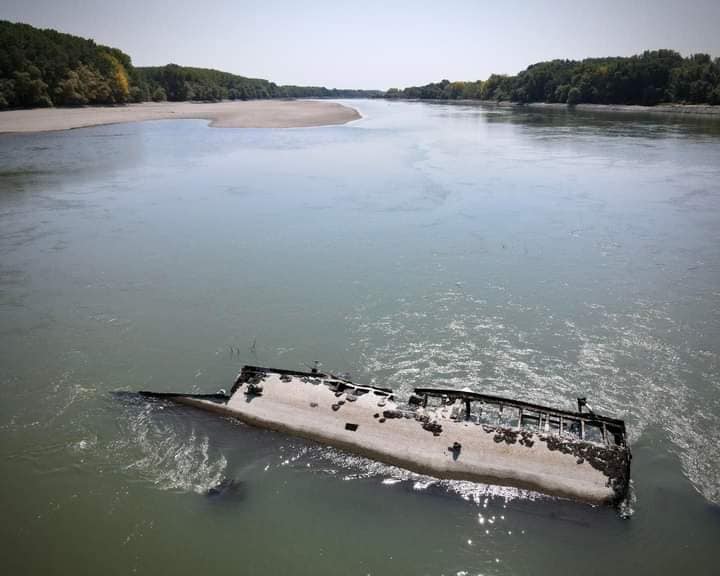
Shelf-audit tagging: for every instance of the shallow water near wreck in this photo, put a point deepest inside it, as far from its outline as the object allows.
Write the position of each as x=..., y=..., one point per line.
x=542, y=255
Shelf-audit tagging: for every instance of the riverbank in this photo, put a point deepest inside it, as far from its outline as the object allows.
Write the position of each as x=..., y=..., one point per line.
x=683, y=109
x=238, y=114
x=673, y=109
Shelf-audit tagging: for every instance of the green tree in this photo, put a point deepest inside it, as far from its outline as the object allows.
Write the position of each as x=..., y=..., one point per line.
x=7, y=93
x=30, y=90
x=70, y=91
x=159, y=95
x=574, y=96
x=137, y=94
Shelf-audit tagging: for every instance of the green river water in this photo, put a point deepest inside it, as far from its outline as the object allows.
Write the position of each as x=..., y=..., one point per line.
x=534, y=254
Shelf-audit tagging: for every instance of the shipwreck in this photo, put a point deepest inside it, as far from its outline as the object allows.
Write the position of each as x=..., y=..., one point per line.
x=446, y=433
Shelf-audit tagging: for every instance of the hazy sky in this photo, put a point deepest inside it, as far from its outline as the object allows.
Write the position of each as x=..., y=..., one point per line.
x=376, y=44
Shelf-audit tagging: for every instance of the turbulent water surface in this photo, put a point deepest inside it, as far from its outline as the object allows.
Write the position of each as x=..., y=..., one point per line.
x=536, y=254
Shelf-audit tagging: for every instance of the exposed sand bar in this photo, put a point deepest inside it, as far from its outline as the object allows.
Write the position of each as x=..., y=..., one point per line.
x=250, y=114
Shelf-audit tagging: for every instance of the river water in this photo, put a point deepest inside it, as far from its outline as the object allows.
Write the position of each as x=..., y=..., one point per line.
x=539, y=254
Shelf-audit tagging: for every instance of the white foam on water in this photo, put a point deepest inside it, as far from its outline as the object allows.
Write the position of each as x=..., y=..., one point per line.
x=630, y=364
x=353, y=467
x=160, y=453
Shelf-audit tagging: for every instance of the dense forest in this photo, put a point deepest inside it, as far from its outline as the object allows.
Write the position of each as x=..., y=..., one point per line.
x=177, y=83
x=653, y=77
x=46, y=68
x=49, y=68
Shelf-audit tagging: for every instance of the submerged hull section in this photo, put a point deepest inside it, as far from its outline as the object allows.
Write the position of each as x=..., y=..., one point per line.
x=443, y=433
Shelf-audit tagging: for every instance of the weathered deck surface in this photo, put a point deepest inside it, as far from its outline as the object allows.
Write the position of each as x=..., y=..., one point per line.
x=309, y=408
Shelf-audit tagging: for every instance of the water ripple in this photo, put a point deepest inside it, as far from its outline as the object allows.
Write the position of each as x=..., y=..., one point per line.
x=163, y=454
x=629, y=363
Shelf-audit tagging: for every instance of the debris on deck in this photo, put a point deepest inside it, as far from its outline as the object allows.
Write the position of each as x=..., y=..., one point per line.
x=446, y=433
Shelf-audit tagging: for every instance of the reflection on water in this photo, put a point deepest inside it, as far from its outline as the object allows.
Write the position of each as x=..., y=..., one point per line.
x=534, y=253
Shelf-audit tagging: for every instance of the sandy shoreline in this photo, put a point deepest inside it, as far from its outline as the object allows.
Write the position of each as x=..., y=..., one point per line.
x=249, y=114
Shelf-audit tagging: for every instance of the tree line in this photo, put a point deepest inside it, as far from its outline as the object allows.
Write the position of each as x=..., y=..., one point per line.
x=180, y=83
x=48, y=68
x=653, y=77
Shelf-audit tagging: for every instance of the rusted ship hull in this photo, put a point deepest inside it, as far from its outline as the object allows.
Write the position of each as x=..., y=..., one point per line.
x=448, y=434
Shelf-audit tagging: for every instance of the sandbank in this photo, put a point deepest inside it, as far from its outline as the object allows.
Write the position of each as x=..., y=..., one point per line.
x=238, y=114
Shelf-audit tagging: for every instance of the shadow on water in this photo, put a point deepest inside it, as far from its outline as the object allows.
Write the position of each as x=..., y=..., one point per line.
x=228, y=491
x=37, y=160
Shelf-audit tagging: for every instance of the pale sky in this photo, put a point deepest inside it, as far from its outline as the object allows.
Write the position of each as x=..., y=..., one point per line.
x=376, y=44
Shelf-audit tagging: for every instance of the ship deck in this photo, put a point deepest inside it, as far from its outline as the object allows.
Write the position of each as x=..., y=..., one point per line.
x=445, y=441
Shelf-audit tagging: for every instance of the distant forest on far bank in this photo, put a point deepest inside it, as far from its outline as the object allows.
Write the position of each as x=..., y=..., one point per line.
x=653, y=77
x=48, y=68
x=40, y=68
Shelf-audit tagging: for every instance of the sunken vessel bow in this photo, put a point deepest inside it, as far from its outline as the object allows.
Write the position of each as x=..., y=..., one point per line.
x=446, y=433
